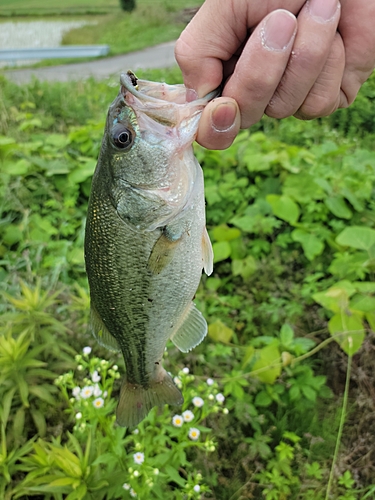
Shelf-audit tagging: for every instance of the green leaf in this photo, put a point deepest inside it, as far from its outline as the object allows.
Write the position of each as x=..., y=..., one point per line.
x=351, y=326
x=286, y=335
x=338, y=206
x=362, y=238
x=363, y=303
x=220, y=332
x=312, y=246
x=174, y=475
x=225, y=233
x=284, y=207
x=222, y=250
x=244, y=267
x=267, y=356
x=263, y=399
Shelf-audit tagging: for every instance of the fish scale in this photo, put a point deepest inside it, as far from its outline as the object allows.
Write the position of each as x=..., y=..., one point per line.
x=146, y=242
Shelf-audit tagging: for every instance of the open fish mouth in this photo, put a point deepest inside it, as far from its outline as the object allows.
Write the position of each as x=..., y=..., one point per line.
x=152, y=91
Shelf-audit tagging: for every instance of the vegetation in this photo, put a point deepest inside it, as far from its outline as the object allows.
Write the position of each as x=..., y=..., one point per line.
x=278, y=398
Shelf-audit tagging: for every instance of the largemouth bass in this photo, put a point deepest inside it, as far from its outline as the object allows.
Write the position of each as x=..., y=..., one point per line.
x=146, y=242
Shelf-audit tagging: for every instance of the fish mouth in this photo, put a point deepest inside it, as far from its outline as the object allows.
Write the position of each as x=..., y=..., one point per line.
x=153, y=92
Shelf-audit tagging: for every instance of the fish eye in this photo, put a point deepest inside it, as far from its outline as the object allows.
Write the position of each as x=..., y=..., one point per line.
x=121, y=137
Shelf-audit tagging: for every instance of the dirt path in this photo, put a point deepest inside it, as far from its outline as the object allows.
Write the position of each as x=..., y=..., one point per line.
x=160, y=56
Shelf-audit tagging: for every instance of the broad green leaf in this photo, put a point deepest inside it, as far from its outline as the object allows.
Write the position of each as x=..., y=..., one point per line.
x=312, y=246
x=220, y=332
x=360, y=237
x=336, y=298
x=222, y=250
x=268, y=356
x=363, y=303
x=12, y=234
x=244, y=267
x=225, y=233
x=263, y=399
x=259, y=162
x=286, y=335
x=284, y=207
x=174, y=475
x=19, y=167
x=370, y=317
x=338, y=206
x=364, y=286
x=249, y=354
x=302, y=188
x=351, y=326
x=83, y=172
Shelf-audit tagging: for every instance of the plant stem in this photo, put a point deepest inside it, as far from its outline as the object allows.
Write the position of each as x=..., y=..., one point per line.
x=341, y=426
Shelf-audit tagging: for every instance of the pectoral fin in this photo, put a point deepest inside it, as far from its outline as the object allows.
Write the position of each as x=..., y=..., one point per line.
x=162, y=253
x=100, y=332
x=207, y=253
x=191, y=331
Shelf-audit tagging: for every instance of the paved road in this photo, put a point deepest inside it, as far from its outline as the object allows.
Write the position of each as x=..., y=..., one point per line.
x=160, y=56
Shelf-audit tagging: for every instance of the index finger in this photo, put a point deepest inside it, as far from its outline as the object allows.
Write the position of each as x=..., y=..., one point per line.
x=216, y=33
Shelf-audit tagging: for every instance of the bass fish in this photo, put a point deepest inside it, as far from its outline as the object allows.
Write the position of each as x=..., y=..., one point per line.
x=146, y=242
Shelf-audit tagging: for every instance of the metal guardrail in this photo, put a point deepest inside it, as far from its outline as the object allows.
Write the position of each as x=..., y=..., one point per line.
x=65, y=52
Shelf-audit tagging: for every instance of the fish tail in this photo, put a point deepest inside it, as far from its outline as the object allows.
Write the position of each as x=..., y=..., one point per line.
x=136, y=401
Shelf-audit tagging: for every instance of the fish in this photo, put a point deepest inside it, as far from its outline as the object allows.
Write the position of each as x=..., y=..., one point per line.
x=146, y=241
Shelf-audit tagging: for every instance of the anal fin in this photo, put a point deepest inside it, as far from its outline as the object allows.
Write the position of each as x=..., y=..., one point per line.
x=207, y=253
x=191, y=331
x=100, y=332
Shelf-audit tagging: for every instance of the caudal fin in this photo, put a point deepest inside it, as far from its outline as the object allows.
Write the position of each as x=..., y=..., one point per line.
x=136, y=401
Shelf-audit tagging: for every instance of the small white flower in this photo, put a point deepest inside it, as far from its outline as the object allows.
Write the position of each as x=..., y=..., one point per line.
x=156, y=472
x=136, y=473
x=220, y=398
x=98, y=402
x=86, y=350
x=115, y=368
x=197, y=488
x=185, y=370
x=211, y=397
x=95, y=377
x=139, y=458
x=188, y=416
x=126, y=486
x=177, y=421
x=133, y=493
x=87, y=391
x=136, y=431
x=97, y=391
x=210, y=381
x=105, y=394
x=177, y=381
x=76, y=392
x=194, y=433
x=198, y=402
x=78, y=416
x=225, y=411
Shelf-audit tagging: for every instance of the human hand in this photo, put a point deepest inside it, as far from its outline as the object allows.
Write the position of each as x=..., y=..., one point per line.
x=288, y=66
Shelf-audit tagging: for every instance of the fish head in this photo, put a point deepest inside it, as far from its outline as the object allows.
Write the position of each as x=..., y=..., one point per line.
x=149, y=127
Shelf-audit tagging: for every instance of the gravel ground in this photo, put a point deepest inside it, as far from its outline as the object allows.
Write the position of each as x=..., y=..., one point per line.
x=17, y=35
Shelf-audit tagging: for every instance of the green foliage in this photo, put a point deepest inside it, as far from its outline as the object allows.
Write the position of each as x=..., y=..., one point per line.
x=127, y=5
x=290, y=214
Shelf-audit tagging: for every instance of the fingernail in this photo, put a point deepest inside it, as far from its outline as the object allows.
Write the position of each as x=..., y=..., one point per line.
x=223, y=116
x=279, y=30
x=323, y=10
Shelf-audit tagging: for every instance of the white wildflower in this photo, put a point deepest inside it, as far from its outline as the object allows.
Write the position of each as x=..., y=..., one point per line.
x=185, y=370
x=220, y=398
x=126, y=486
x=87, y=391
x=78, y=416
x=188, y=416
x=197, y=488
x=156, y=472
x=177, y=421
x=115, y=368
x=136, y=431
x=211, y=397
x=76, y=392
x=225, y=411
x=95, y=377
x=198, y=402
x=86, y=350
x=97, y=391
x=194, y=433
x=132, y=493
x=210, y=381
x=177, y=381
x=98, y=402
x=136, y=473
x=139, y=458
